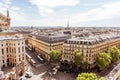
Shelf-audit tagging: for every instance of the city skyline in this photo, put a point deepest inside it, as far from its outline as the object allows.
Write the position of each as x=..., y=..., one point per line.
x=45, y=53
x=56, y=13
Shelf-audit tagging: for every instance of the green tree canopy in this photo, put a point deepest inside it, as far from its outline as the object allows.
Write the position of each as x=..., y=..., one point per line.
x=103, y=60
x=87, y=76
x=102, y=78
x=55, y=55
x=85, y=65
x=114, y=53
x=78, y=57
x=118, y=75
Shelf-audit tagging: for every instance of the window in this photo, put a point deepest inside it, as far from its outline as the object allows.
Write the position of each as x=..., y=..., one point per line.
x=89, y=55
x=19, y=59
x=3, y=61
x=69, y=42
x=7, y=50
x=86, y=51
x=19, y=50
x=86, y=55
x=7, y=60
x=86, y=58
x=89, y=59
x=90, y=43
x=73, y=42
x=15, y=50
x=2, y=51
x=65, y=41
x=85, y=43
x=23, y=58
x=10, y=49
x=1, y=44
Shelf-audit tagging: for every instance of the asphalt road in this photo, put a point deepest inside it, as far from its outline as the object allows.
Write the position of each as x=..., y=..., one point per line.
x=42, y=72
x=113, y=74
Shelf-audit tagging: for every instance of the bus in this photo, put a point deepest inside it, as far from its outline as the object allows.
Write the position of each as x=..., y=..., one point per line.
x=41, y=59
x=32, y=61
x=28, y=57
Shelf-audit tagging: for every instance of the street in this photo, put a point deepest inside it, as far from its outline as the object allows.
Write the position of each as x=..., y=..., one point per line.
x=42, y=71
x=113, y=74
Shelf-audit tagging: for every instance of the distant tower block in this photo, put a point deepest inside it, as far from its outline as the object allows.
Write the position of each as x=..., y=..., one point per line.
x=8, y=13
x=5, y=21
x=68, y=24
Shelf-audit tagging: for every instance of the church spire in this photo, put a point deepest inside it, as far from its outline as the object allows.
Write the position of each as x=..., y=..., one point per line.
x=8, y=13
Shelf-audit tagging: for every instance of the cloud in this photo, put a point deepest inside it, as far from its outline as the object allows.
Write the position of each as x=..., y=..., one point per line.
x=7, y=1
x=44, y=11
x=15, y=8
x=29, y=7
x=100, y=13
x=97, y=14
x=92, y=16
x=106, y=11
x=47, y=6
x=16, y=16
x=3, y=8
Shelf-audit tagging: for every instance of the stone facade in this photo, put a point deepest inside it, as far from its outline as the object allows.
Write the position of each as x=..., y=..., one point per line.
x=4, y=21
x=12, y=50
x=43, y=45
x=90, y=47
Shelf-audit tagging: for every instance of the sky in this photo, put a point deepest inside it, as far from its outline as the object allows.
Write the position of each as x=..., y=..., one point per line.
x=87, y=13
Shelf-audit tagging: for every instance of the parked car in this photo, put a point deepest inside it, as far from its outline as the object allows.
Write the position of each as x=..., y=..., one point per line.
x=22, y=78
x=32, y=62
x=28, y=75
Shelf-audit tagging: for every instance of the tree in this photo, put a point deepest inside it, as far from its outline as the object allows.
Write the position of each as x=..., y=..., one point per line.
x=103, y=60
x=102, y=78
x=71, y=64
x=78, y=57
x=55, y=56
x=87, y=76
x=85, y=65
x=118, y=75
x=114, y=53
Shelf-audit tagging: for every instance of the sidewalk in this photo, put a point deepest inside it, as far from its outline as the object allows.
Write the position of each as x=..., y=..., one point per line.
x=113, y=74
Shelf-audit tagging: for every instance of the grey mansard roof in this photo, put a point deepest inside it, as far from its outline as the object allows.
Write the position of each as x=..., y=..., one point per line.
x=13, y=37
x=51, y=38
x=93, y=39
